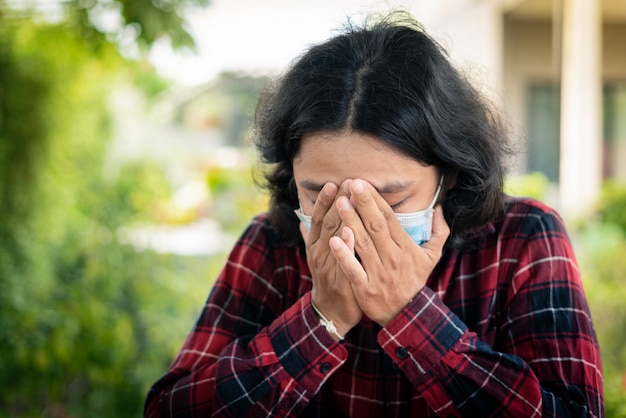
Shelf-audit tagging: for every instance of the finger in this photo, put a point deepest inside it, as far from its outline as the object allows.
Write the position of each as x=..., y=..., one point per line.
x=331, y=222
x=346, y=259
x=372, y=233
x=440, y=233
x=323, y=203
x=393, y=225
x=354, y=225
x=348, y=237
x=375, y=217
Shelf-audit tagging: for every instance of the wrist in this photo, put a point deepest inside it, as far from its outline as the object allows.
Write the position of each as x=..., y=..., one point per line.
x=327, y=324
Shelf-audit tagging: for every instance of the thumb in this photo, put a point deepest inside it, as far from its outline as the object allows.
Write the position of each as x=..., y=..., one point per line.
x=440, y=233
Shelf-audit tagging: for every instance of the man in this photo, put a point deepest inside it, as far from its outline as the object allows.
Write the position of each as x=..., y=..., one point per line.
x=391, y=276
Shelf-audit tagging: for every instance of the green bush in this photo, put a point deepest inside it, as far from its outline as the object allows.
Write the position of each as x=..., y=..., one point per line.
x=87, y=322
x=612, y=205
x=234, y=195
x=600, y=247
x=529, y=185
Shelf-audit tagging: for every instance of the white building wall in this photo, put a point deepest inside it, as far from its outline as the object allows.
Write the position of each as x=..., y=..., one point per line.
x=472, y=34
x=581, y=108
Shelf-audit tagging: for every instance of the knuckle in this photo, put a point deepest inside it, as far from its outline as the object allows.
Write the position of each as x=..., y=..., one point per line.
x=370, y=293
x=394, y=262
x=388, y=214
x=351, y=272
x=379, y=223
x=330, y=224
x=364, y=241
x=329, y=227
x=316, y=222
x=316, y=259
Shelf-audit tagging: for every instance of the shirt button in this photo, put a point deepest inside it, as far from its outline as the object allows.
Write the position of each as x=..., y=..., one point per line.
x=325, y=367
x=402, y=352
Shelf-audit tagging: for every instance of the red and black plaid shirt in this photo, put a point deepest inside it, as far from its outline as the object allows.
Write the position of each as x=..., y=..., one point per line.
x=502, y=329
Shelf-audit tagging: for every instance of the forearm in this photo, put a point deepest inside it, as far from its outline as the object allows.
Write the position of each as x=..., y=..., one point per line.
x=182, y=393
x=273, y=373
x=459, y=374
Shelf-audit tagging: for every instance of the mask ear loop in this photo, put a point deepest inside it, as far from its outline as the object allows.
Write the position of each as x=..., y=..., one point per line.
x=408, y=219
x=305, y=219
x=300, y=214
x=432, y=204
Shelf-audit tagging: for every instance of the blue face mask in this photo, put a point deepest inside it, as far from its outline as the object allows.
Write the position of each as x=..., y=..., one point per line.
x=418, y=225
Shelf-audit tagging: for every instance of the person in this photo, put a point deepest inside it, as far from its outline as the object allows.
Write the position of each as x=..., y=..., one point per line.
x=391, y=275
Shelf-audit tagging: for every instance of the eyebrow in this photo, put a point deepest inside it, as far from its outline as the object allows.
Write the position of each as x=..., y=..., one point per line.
x=388, y=188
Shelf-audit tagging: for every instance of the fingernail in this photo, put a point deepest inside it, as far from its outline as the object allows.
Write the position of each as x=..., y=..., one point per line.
x=328, y=189
x=343, y=203
x=334, y=243
x=358, y=186
x=346, y=185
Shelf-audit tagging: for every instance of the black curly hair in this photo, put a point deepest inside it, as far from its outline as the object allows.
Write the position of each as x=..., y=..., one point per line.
x=391, y=80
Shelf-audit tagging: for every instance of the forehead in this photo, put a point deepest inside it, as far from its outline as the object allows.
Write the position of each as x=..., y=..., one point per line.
x=337, y=156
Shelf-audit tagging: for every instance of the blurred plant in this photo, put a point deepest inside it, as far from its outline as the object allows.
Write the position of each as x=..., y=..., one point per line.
x=234, y=195
x=123, y=22
x=132, y=195
x=529, y=185
x=600, y=247
x=81, y=319
x=612, y=205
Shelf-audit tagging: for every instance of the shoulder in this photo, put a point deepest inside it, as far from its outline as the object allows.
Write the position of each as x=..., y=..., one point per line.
x=523, y=221
x=261, y=238
x=255, y=281
x=529, y=216
x=260, y=233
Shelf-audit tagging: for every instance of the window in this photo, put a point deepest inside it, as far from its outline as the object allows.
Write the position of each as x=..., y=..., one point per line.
x=543, y=118
x=544, y=130
x=615, y=130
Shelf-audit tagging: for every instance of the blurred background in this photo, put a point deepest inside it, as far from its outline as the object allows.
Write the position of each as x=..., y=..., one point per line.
x=127, y=171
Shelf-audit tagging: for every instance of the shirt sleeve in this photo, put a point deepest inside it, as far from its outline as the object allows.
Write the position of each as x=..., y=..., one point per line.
x=544, y=359
x=242, y=358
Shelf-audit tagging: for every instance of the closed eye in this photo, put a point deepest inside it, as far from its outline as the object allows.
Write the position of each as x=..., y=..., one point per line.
x=397, y=205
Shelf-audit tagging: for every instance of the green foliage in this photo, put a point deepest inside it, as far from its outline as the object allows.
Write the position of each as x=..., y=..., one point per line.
x=235, y=197
x=127, y=23
x=145, y=21
x=131, y=195
x=146, y=80
x=529, y=185
x=601, y=248
x=612, y=206
x=81, y=313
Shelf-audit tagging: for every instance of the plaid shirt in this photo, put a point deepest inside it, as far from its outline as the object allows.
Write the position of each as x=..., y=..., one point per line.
x=502, y=329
